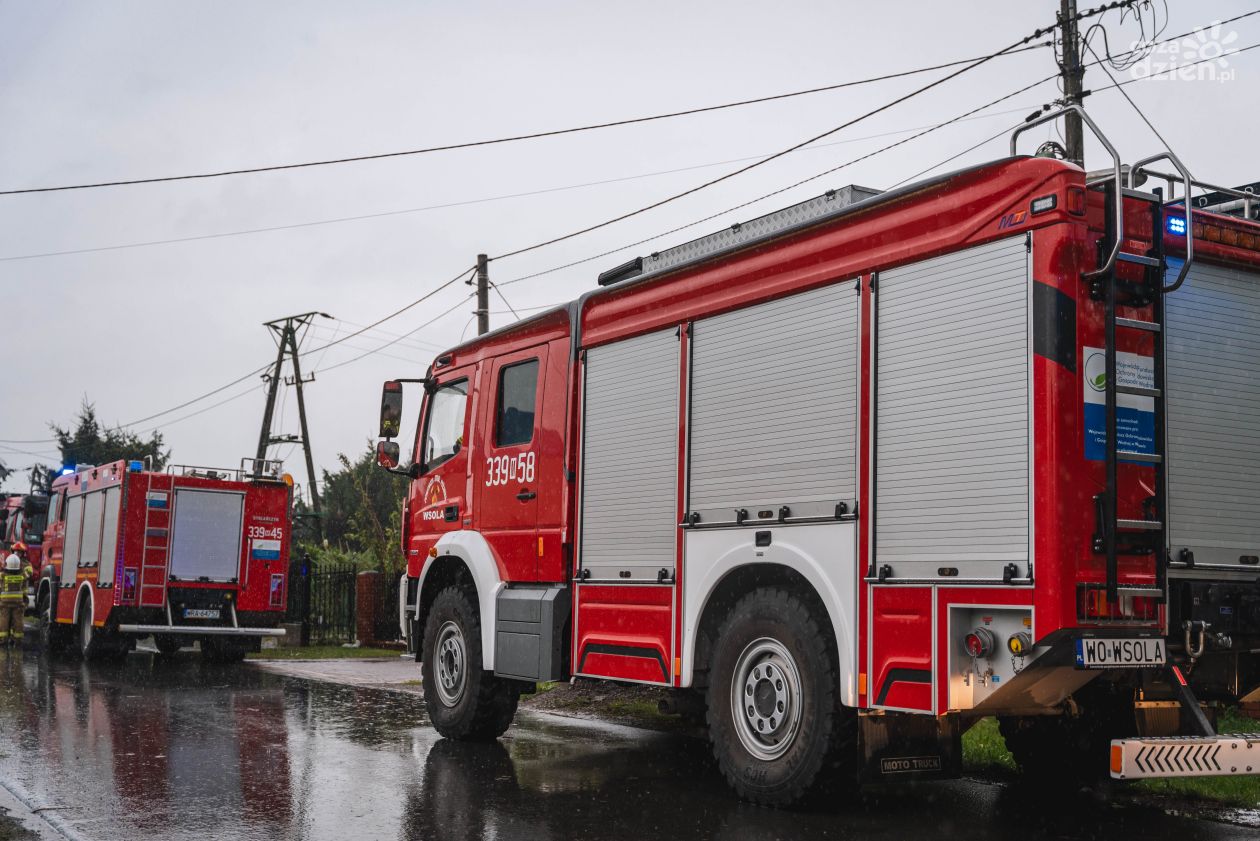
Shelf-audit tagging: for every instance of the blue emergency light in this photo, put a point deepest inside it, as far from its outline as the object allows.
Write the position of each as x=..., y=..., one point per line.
x=66, y=471
x=135, y=466
x=1177, y=225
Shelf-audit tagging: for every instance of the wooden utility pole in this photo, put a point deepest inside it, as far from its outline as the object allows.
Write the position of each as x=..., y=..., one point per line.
x=286, y=330
x=483, y=294
x=1073, y=73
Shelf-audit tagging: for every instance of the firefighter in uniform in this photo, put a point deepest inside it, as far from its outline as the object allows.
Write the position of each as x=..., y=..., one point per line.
x=13, y=581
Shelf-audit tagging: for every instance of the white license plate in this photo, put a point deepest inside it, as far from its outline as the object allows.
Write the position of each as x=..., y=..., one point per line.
x=200, y=613
x=1120, y=653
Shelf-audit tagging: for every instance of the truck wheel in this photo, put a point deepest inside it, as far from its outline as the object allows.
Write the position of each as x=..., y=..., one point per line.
x=53, y=637
x=464, y=700
x=773, y=710
x=167, y=645
x=1071, y=750
x=221, y=651
x=88, y=639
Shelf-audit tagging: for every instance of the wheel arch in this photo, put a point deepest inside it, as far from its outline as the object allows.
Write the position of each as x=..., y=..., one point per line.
x=463, y=557
x=84, y=595
x=807, y=583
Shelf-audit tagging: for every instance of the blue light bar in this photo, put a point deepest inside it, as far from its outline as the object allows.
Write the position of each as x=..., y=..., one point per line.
x=135, y=466
x=66, y=471
x=1177, y=225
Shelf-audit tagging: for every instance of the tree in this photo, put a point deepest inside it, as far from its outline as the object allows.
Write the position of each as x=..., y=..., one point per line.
x=88, y=442
x=362, y=510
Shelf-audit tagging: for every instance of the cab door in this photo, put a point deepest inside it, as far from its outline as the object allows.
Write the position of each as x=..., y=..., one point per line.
x=442, y=452
x=509, y=466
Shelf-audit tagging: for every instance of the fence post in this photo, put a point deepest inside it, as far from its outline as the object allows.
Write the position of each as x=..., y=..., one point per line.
x=368, y=605
x=305, y=599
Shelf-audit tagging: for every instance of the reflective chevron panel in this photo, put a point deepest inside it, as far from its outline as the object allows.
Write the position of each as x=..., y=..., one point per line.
x=1185, y=756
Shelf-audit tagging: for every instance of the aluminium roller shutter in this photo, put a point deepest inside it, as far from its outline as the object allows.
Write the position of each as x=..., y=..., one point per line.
x=952, y=413
x=774, y=405
x=1213, y=382
x=629, y=492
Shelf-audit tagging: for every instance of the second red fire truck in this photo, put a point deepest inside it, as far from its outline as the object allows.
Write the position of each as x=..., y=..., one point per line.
x=186, y=555
x=859, y=473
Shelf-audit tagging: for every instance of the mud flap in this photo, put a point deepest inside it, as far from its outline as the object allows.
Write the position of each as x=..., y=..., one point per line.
x=903, y=746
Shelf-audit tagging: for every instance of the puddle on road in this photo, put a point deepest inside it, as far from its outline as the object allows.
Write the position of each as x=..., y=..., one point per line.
x=151, y=749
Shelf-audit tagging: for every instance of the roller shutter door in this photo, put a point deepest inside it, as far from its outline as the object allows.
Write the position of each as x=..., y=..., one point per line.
x=630, y=458
x=1213, y=380
x=952, y=474
x=206, y=535
x=774, y=406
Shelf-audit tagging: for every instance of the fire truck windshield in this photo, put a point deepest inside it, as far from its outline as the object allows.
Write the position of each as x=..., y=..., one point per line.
x=444, y=425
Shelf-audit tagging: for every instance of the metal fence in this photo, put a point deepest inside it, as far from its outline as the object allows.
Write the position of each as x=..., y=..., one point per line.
x=322, y=598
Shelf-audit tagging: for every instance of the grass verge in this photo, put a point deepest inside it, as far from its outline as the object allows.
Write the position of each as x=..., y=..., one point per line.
x=1233, y=791
x=321, y=652
x=985, y=754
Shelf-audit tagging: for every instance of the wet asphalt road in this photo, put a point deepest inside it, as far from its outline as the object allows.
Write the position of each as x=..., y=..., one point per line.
x=150, y=749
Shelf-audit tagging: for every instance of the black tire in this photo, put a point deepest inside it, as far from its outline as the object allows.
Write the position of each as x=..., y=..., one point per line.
x=88, y=640
x=775, y=653
x=1073, y=750
x=222, y=651
x=52, y=637
x=464, y=701
x=167, y=645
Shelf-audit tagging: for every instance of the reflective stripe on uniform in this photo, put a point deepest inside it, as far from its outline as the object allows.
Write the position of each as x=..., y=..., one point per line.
x=12, y=587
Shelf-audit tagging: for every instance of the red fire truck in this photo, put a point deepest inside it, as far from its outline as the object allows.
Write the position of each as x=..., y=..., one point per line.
x=859, y=473
x=187, y=555
x=22, y=519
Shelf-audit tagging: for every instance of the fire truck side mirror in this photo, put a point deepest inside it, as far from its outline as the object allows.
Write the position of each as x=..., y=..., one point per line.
x=387, y=454
x=391, y=410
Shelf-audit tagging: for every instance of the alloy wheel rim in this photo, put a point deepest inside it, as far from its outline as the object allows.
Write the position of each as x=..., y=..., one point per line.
x=766, y=698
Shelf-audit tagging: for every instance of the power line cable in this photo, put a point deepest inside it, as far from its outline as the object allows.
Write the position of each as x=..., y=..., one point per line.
x=518, y=137
x=1125, y=94
x=503, y=298
x=881, y=150
x=1137, y=53
x=411, y=210
x=773, y=193
x=442, y=314
x=558, y=268
x=668, y=199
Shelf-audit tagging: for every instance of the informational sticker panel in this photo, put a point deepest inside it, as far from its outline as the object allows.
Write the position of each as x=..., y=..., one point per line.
x=206, y=535
x=952, y=485
x=1212, y=325
x=774, y=407
x=1135, y=415
x=629, y=485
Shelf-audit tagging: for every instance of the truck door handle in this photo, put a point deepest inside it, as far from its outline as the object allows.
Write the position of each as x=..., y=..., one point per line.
x=526, y=496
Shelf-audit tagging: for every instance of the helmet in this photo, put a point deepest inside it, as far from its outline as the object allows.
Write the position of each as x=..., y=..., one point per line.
x=19, y=546
x=12, y=563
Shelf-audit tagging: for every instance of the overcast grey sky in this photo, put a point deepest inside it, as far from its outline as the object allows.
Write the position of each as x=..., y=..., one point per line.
x=95, y=91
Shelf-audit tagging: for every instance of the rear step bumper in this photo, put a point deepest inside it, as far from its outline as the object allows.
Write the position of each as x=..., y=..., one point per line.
x=194, y=631
x=1185, y=756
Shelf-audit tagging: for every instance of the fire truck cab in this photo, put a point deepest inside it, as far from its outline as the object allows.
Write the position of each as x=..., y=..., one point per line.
x=187, y=555
x=855, y=475
x=22, y=519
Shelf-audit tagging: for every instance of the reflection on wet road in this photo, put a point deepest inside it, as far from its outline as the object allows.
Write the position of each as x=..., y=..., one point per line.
x=153, y=750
